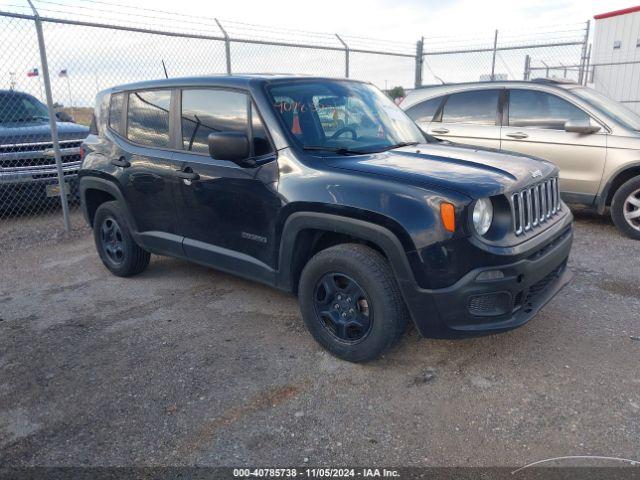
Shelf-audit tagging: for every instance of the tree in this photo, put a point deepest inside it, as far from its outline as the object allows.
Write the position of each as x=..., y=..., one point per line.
x=396, y=92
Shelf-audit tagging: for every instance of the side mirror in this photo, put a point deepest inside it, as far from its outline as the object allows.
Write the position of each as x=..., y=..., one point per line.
x=582, y=128
x=232, y=146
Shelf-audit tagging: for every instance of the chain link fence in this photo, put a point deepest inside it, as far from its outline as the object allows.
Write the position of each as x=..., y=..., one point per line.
x=58, y=74
x=506, y=55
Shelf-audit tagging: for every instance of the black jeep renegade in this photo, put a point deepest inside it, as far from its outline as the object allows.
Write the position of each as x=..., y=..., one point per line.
x=325, y=189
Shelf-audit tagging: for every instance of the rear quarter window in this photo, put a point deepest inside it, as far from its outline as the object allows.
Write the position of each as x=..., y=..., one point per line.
x=424, y=111
x=116, y=105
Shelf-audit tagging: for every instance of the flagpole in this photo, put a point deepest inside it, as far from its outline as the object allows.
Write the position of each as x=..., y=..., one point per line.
x=73, y=111
x=40, y=85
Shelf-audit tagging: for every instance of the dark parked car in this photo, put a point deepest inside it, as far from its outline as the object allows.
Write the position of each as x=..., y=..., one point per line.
x=28, y=175
x=368, y=227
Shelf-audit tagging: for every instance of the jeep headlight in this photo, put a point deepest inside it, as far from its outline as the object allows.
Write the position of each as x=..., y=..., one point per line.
x=482, y=215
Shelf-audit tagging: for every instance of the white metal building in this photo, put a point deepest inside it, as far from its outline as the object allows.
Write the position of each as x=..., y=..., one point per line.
x=615, y=57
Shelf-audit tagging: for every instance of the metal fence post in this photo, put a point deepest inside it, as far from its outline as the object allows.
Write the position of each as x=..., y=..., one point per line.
x=493, y=60
x=227, y=46
x=419, y=61
x=346, y=55
x=546, y=75
x=587, y=65
x=583, y=57
x=52, y=118
x=527, y=68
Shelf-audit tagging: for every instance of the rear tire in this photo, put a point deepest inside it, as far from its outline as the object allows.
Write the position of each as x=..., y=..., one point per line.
x=116, y=247
x=351, y=303
x=625, y=208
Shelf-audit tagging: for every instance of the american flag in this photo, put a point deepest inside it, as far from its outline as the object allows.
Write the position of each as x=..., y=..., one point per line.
x=33, y=72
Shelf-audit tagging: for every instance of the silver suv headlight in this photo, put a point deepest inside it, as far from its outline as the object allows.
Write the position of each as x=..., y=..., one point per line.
x=482, y=215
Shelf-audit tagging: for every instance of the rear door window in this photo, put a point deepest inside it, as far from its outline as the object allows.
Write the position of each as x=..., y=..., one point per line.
x=148, y=117
x=478, y=107
x=424, y=111
x=531, y=108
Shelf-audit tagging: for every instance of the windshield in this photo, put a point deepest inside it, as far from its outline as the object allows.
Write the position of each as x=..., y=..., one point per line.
x=615, y=110
x=341, y=116
x=18, y=107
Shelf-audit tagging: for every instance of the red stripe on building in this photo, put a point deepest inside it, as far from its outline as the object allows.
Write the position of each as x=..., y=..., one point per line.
x=615, y=13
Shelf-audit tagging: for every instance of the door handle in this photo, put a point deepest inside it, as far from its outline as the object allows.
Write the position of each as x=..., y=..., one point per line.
x=441, y=131
x=517, y=135
x=186, y=175
x=120, y=162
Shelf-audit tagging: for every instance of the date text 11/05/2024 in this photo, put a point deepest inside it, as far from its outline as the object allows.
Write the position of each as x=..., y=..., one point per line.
x=315, y=472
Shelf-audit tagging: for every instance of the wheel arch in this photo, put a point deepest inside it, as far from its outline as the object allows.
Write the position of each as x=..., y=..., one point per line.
x=617, y=180
x=95, y=191
x=306, y=233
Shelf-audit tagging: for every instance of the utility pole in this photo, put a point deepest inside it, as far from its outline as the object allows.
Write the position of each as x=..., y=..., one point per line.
x=419, y=62
x=527, y=68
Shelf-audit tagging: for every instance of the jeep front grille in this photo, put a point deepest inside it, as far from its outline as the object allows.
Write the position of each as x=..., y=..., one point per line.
x=533, y=206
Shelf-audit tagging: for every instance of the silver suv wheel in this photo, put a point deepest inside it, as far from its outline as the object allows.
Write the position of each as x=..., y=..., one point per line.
x=631, y=209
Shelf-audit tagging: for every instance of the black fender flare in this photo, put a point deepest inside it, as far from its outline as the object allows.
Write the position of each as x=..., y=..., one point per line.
x=601, y=199
x=108, y=186
x=384, y=238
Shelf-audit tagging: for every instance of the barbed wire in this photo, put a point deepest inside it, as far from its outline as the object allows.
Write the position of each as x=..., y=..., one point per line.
x=154, y=18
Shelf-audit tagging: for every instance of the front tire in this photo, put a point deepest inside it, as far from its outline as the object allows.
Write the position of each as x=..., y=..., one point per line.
x=116, y=247
x=625, y=208
x=351, y=303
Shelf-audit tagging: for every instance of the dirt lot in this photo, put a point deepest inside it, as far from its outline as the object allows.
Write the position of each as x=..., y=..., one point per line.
x=186, y=365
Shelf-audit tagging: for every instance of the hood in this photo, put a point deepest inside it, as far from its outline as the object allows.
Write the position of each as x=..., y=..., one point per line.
x=472, y=171
x=31, y=132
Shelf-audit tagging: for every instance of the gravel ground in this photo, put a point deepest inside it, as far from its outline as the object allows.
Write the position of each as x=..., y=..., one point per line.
x=186, y=365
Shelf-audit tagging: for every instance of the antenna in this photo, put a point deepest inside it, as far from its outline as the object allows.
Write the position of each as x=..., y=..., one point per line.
x=164, y=67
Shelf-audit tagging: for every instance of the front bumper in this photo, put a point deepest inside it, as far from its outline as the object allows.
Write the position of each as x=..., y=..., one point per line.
x=25, y=174
x=475, y=306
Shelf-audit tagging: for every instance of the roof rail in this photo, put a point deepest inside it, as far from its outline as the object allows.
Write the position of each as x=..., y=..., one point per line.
x=555, y=80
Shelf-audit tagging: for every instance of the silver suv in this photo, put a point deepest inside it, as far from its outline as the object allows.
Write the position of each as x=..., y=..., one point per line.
x=594, y=140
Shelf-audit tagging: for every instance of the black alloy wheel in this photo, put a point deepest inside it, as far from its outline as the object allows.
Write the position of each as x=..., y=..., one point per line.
x=111, y=240
x=343, y=308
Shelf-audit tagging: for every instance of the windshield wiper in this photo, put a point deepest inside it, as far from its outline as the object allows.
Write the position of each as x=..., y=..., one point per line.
x=338, y=150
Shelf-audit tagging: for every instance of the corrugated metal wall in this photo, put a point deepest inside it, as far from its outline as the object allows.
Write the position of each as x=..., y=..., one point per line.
x=615, y=58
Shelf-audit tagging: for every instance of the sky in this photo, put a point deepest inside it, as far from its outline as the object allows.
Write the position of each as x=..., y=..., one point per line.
x=394, y=20
x=397, y=19
x=99, y=58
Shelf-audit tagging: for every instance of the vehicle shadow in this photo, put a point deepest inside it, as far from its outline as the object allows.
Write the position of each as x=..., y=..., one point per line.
x=591, y=216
